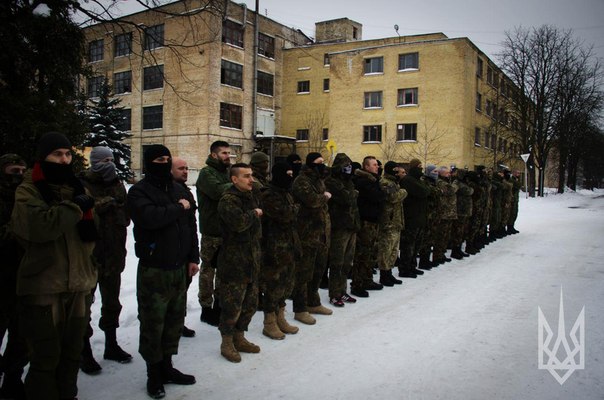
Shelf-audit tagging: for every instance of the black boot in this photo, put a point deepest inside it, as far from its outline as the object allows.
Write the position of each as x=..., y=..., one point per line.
x=113, y=351
x=172, y=375
x=393, y=279
x=88, y=364
x=406, y=272
x=324, y=284
x=456, y=253
x=155, y=385
x=12, y=386
x=424, y=262
x=385, y=279
x=211, y=315
x=187, y=332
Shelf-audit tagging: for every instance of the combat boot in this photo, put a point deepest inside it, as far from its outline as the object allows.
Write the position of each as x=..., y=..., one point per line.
x=228, y=350
x=282, y=323
x=305, y=318
x=385, y=279
x=170, y=374
x=320, y=309
x=270, y=327
x=12, y=386
x=155, y=386
x=424, y=262
x=456, y=253
x=113, y=351
x=88, y=364
x=243, y=345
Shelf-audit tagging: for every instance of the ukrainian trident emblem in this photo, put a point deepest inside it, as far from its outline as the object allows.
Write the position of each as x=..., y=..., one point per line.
x=562, y=359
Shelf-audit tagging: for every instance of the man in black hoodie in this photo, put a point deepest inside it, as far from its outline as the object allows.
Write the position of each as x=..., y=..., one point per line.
x=166, y=245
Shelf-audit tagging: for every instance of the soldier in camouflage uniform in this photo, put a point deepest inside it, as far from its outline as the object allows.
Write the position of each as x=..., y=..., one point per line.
x=515, y=179
x=460, y=230
x=485, y=183
x=239, y=262
x=314, y=230
x=391, y=223
x=448, y=208
x=345, y=223
x=496, y=201
x=259, y=163
x=432, y=216
x=506, y=201
x=109, y=194
x=281, y=249
x=12, y=168
x=167, y=247
x=212, y=182
x=477, y=209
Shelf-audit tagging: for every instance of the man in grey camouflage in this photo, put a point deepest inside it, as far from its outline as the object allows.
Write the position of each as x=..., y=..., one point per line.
x=460, y=230
x=448, y=214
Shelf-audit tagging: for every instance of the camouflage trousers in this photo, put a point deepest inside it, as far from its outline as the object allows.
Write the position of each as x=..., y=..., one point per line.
x=505, y=215
x=277, y=281
x=513, y=213
x=53, y=327
x=309, y=272
x=459, y=230
x=495, y=221
x=411, y=241
x=238, y=302
x=109, y=288
x=208, y=249
x=388, y=241
x=441, y=240
x=162, y=300
x=429, y=237
x=474, y=227
x=341, y=255
x=365, y=255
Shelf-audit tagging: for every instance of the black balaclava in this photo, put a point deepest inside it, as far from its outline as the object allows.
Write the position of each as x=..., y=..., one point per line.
x=11, y=180
x=295, y=162
x=158, y=171
x=389, y=168
x=280, y=177
x=310, y=162
x=53, y=172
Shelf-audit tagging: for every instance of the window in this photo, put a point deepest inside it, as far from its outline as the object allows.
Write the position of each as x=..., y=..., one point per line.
x=373, y=99
x=503, y=88
x=476, y=136
x=479, y=67
x=478, y=101
x=490, y=75
x=154, y=37
x=500, y=145
x=265, y=83
x=406, y=132
x=326, y=59
x=302, y=134
x=123, y=44
x=326, y=85
x=374, y=65
x=153, y=117
x=232, y=33
x=407, y=97
x=94, y=86
x=231, y=74
x=505, y=146
x=125, y=124
x=153, y=77
x=325, y=134
x=230, y=115
x=372, y=133
x=266, y=45
x=355, y=32
x=304, y=87
x=95, y=50
x=486, y=140
x=493, y=141
x=489, y=108
x=408, y=61
x=122, y=82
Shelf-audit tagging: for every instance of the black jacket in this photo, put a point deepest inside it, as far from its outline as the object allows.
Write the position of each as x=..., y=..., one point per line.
x=165, y=233
x=371, y=198
x=416, y=203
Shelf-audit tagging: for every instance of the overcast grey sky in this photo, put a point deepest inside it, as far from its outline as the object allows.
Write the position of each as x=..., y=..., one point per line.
x=482, y=21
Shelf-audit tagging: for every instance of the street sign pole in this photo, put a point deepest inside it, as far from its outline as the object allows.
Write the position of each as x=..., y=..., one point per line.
x=525, y=158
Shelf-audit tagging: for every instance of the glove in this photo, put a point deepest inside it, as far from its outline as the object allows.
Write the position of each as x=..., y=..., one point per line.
x=84, y=201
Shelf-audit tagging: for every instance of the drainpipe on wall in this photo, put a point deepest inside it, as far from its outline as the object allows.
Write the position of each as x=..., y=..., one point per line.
x=255, y=67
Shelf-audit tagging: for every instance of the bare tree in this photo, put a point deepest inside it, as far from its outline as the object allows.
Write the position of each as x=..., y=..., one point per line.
x=391, y=150
x=314, y=122
x=430, y=146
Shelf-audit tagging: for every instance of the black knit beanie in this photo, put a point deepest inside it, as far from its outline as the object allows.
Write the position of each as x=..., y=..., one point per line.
x=154, y=151
x=311, y=157
x=49, y=142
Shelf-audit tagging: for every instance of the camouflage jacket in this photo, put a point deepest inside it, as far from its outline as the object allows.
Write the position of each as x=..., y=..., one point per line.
x=448, y=200
x=507, y=188
x=464, y=199
x=343, y=208
x=314, y=225
x=433, y=213
x=9, y=248
x=392, y=214
x=240, y=254
x=260, y=179
x=212, y=182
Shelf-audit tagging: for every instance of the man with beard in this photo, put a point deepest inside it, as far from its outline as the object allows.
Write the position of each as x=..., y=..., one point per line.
x=212, y=182
x=53, y=221
x=166, y=245
x=109, y=195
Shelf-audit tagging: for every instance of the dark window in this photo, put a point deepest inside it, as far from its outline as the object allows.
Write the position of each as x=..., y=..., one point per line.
x=406, y=132
x=232, y=33
x=266, y=45
x=493, y=141
x=154, y=37
x=477, y=136
x=125, y=124
x=487, y=140
x=489, y=108
x=95, y=50
x=94, y=85
x=373, y=99
x=122, y=82
x=304, y=87
x=479, y=67
x=406, y=97
x=231, y=74
x=123, y=44
x=504, y=91
x=153, y=77
x=325, y=133
x=489, y=75
x=326, y=84
x=374, y=65
x=153, y=117
x=478, y=101
x=355, y=32
x=265, y=83
x=408, y=61
x=302, y=134
x=230, y=115
x=372, y=133
x=326, y=59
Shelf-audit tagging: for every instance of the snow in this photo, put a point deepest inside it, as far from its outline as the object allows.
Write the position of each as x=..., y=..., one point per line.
x=466, y=330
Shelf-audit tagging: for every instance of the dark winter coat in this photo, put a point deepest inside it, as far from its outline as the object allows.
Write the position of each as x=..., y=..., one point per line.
x=165, y=233
x=314, y=224
x=464, y=199
x=371, y=198
x=343, y=208
x=416, y=203
x=212, y=182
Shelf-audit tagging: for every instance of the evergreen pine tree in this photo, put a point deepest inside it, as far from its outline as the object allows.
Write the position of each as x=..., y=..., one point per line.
x=105, y=117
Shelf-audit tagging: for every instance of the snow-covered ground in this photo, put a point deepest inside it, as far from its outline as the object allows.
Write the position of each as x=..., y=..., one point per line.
x=466, y=330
